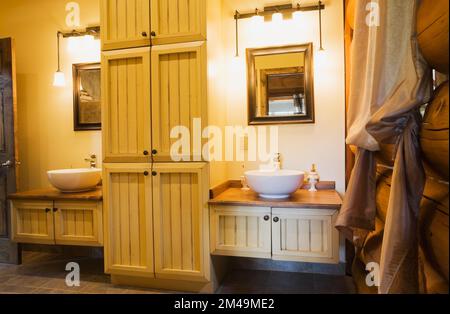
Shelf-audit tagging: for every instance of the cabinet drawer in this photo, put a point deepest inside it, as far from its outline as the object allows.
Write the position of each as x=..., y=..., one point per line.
x=32, y=222
x=241, y=231
x=305, y=235
x=78, y=223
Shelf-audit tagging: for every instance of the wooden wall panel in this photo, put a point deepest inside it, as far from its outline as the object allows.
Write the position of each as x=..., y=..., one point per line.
x=180, y=210
x=178, y=21
x=125, y=23
x=178, y=96
x=128, y=219
x=126, y=105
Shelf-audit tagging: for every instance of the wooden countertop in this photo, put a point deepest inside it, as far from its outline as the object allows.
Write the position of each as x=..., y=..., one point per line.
x=323, y=199
x=51, y=194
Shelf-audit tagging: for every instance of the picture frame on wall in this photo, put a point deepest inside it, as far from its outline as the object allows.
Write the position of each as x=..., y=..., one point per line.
x=87, y=96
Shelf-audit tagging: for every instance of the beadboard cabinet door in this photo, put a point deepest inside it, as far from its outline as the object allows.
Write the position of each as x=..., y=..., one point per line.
x=78, y=223
x=128, y=220
x=241, y=231
x=125, y=23
x=126, y=106
x=32, y=222
x=178, y=97
x=180, y=196
x=306, y=235
x=178, y=21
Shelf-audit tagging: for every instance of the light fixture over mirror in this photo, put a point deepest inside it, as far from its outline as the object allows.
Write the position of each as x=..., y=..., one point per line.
x=88, y=35
x=277, y=13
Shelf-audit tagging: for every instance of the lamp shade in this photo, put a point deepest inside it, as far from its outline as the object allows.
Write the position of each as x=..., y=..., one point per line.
x=59, y=80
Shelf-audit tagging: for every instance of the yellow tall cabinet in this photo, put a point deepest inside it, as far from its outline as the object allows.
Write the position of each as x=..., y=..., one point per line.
x=154, y=78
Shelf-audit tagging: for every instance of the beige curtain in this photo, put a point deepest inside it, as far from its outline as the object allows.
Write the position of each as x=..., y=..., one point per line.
x=389, y=81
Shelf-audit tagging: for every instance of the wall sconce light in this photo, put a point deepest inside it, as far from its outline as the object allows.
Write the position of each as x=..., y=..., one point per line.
x=277, y=12
x=59, y=79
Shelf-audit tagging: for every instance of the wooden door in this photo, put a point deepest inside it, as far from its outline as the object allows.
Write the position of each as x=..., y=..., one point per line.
x=126, y=105
x=178, y=97
x=306, y=235
x=178, y=21
x=241, y=231
x=32, y=222
x=180, y=196
x=8, y=250
x=125, y=23
x=128, y=225
x=78, y=223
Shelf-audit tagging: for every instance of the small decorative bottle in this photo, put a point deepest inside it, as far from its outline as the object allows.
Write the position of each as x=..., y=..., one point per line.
x=313, y=178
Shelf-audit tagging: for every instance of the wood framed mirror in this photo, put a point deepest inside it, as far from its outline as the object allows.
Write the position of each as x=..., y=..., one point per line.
x=87, y=115
x=280, y=85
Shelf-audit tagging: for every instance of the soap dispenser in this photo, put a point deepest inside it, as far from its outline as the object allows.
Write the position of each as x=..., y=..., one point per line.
x=313, y=178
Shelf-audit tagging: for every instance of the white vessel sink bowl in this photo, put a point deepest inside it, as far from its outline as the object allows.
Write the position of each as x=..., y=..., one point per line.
x=75, y=180
x=277, y=184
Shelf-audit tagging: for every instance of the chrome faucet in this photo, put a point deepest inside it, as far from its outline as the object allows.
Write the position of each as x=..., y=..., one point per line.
x=92, y=160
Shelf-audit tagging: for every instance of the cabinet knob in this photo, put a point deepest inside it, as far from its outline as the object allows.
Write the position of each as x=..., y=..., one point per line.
x=154, y=173
x=146, y=173
x=267, y=218
x=153, y=33
x=276, y=219
x=146, y=153
x=144, y=34
x=55, y=210
x=154, y=152
x=47, y=210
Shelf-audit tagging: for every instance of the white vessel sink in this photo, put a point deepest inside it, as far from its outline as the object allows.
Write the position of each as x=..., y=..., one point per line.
x=75, y=180
x=276, y=184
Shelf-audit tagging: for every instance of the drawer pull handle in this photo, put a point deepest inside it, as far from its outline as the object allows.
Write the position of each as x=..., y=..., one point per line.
x=276, y=219
x=267, y=218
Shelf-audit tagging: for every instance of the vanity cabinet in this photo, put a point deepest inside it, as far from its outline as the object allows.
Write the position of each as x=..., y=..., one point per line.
x=178, y=21
x=126, y=105
x=241, y=231
x=299, y=229
x=60, y=222
x=128, y=219
x=125, y=23
x=179, y=95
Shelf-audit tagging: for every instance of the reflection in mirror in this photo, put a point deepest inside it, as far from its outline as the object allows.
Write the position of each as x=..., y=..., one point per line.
x=87, y=100
x=280, y=85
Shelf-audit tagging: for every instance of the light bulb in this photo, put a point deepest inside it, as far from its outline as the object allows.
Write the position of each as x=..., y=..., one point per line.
x=59, y=80
x=257, y=20
x=277, y=17
x=72, y=44
x=298, y=15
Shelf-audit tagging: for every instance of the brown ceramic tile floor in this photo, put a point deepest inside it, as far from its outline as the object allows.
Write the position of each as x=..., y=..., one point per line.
x=43, y=273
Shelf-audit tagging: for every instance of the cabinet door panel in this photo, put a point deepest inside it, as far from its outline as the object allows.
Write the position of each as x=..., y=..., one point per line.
x=241, y=231
x=78, y=223
x=178, y=97
x=305, y=235
x=125, y=23
x=180, y=195
x=177, y=21
x=128, y=220
x=32, y=222
x=126, y=105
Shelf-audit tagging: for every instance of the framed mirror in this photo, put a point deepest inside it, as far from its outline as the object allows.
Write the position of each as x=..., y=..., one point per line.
x=280, y=85
x=87, y=96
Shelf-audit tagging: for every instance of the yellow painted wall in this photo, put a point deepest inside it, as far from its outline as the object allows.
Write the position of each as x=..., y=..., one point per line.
x=322, y=143
x=45, y=113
